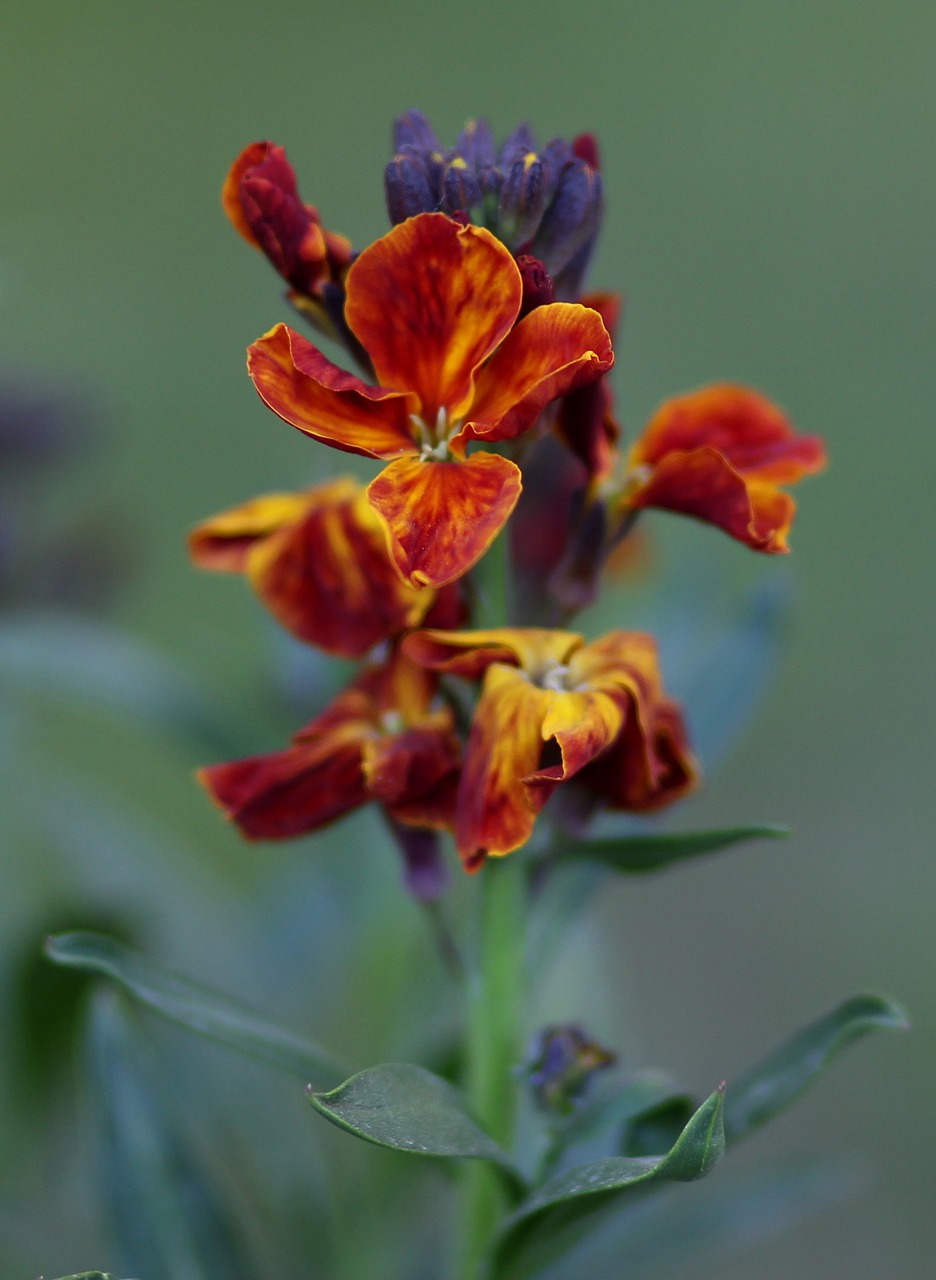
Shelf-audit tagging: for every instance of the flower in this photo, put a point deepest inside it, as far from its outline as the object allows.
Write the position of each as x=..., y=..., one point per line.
x=318, y=560
x=434, y=303
x=546, y=203
x=381, y=739
x=553, y=709
x=261, y=198
x=720, y=454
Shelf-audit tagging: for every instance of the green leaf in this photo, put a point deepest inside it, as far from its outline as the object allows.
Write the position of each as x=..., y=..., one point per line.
x=168, y=1218
x=407, y=1108
x=88, y=1275
x=780, y=1077
x=556, y=1214
x=640, y=1094
x=201, y=1010
x=641, y=853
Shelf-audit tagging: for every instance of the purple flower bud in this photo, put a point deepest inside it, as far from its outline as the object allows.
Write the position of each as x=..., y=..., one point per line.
x=476, y=145
x=523, y=200
x=408, y=187
x=561, y=1064
x=460, y=188
x=572, y=217
x=516, y=146
x=412, y=129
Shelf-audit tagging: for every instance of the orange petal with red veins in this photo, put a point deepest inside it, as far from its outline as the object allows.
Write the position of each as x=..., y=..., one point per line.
x=225, y=541
x=328, y=577
x=745, y=427
x=289, y=793
x=650, y=765
x=704, y=484
x=306, y=390
x=415, y=773
x=496, y=812
x=429, y=302
x=470, y=653
x=443, y=516
x=584, y=725
x=553, y=350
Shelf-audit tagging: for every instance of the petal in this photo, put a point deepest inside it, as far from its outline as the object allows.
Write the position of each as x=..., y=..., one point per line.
x=429, y=302
x=328, y=577
x=649, y=766
x=224, y=542
x=289, y=793
x=553, y=350
x=702, y=483
x=415, y=773
x=306, y=390
x=745, y=427
x=496, y=812
x=443, y=516
x=470, y=653
x=583, y=724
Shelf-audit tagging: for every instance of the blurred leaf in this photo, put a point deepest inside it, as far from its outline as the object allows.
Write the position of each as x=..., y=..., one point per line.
x=407, y=1108
x=641, y=853
x=201, y=1010
x=640, y=1094
x=168, y=1220
x=63, y=655
x=88, y=1275
x=47, y=1005
x=780, y=1077
x=558, y=1213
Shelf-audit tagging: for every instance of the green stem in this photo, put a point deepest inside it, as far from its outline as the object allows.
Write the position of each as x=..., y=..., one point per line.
x=495, y=1005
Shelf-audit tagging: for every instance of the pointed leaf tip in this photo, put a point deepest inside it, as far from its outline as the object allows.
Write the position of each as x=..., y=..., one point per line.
x=638, y=854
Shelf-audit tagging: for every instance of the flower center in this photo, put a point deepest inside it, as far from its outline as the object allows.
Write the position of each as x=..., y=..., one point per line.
x=434, y=440
x=554, y=677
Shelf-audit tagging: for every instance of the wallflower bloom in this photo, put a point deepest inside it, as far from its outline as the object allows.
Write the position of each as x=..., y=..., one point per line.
x=318, y=560
x=381, y=739
x=434, y=305
x=552, y=709
x=720, y=454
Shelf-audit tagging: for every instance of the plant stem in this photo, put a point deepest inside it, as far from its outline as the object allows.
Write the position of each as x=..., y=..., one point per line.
x=495, y=1003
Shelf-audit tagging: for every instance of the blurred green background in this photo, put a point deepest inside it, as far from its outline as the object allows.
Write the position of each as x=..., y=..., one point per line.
x=770, y=211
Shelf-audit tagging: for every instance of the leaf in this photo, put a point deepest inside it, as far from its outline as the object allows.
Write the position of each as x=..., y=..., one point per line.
x=59, y=654
x=168, y=1218
x=555, y=1215
x=780, y=1077
x=642, y=853
x=88, y=1275
x=407, y=1108
x=201, y=1010
x=639, y=1095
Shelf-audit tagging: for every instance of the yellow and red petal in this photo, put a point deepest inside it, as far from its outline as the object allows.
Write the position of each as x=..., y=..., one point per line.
x=702, y=483
x=429, y=302
x=649, y=766
x=746, y=428
x=224, y=542
x=305, y=389
x=583, y=724
x=443, y=516
x=328, y=577
x=469, y=653
x=496, y=812
x=289, y=793
x=553, y=350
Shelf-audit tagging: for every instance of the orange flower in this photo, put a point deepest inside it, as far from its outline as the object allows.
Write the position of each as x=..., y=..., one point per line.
x=433, y=303
x=720, y=454
x=379, y=740
x=318, y=560
x=553, y=708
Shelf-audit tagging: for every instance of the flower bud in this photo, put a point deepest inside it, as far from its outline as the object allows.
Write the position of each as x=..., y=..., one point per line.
x=572, y=217
x=537, y=285
x=476, y=145
x=561, y=1065
x=408, y=187
x=460, y=188
x=522, y=200
x=413, y=130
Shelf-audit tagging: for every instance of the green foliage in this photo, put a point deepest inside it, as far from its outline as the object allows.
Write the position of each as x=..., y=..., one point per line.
x=643, y=853
x=556, y=1215
x=407, y=1108
x=168, y=1218
x=201, y=1010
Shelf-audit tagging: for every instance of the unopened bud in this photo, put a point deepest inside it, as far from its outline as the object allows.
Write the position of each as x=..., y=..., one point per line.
x=522, y=201
x=476, y=144
x=412, y=129
x=561, y=1065
x=572, y=217
x=460, y=188
x=408, y=188
x=537, y=284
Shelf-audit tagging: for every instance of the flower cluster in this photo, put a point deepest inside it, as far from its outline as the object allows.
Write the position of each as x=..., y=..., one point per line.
x=484, y=385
